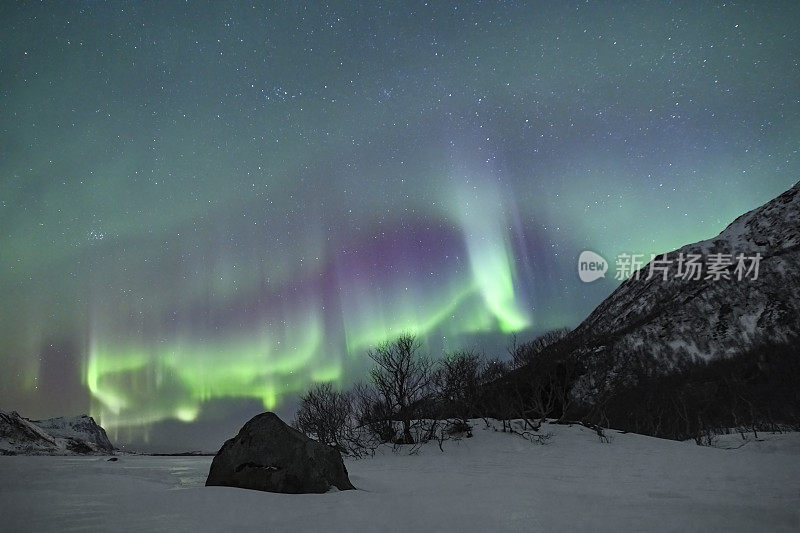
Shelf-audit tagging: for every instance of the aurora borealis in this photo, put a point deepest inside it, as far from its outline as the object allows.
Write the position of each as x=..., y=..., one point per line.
x=206, y=207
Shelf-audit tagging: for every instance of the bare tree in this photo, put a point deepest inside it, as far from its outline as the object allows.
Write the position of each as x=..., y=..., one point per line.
x=325, y=414
x=494, y=400
x=345, y=420
x=372, y=413
x=492, y=371
x=458, y=386
x=523, y=354
x=543, y=377
x=402, y=377
x=566, y=373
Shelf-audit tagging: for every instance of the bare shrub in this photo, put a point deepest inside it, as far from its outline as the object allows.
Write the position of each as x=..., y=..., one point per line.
x=334, y=418
x=324, y=413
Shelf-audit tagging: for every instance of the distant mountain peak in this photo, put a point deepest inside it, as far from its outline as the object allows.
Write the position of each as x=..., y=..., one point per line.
x=81, y=427
x=54, y=436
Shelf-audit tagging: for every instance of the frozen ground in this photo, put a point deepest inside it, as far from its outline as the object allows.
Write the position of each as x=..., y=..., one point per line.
x=491, y=482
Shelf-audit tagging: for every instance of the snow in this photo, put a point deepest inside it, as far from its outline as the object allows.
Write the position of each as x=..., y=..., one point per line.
x=54, y=436
x=82, y=428
x=691, y=348
x=749, y=322
x=492, y=482
x=63, y=426
x=709, y=318
x=20, y=435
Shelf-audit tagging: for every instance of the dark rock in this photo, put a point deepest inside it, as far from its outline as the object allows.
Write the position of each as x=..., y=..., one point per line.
x=269, y=455
x=78, y=446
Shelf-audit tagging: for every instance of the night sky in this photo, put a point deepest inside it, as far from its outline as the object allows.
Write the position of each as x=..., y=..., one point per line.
x=205, y=207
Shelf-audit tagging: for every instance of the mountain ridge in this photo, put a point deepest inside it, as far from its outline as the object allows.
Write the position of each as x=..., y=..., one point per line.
x=76, y=435
x=675, y=320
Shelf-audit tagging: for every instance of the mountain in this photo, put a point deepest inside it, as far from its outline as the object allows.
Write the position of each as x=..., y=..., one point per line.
x=55, y=436
x=80, y=428
x=678, y=320
x=21, y=436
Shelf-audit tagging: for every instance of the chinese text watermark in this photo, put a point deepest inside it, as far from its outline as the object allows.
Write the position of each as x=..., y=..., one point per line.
x=714, y=267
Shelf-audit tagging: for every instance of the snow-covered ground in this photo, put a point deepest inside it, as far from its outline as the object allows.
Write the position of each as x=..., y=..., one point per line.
x=491, y=482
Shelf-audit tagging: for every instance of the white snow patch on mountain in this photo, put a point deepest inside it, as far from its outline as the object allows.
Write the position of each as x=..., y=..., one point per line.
x=54, y=436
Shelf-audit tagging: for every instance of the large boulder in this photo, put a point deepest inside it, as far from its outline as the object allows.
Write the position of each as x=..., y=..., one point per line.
x=269, y=455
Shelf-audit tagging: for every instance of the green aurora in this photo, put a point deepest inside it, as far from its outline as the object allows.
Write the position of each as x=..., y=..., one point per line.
x=207, y=207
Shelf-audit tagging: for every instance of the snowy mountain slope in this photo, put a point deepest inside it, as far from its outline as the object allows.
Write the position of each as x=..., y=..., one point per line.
x=55, y=436
x=705, y=318
x=20, y=436
x=491, y=482
x=80, y=428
